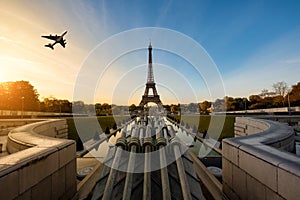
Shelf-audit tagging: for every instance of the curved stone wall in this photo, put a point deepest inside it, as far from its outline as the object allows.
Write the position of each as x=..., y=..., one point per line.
x=40, y=166
x=259, y=166
x=37, y=134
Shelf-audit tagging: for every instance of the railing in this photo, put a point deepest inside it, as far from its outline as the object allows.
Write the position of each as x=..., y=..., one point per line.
x=263, y=110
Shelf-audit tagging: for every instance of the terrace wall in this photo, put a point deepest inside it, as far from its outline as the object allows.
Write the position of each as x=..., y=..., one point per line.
x=258, y=165
x=40, y=166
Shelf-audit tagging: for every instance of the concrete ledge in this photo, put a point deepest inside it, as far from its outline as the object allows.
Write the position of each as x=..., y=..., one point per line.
x=36, y=134
x=255, y=166
x=40, y=167
x=6, y=123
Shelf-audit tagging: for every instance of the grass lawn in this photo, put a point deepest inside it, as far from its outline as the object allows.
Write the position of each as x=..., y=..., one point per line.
x=217, y=127
x=86, y=127
x=212, y=124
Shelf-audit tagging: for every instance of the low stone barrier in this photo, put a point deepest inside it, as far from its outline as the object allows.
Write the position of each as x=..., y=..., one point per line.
x=36, y=134
x=40, y=166
x=259, y=166
x=32, y=114
x=7, y=123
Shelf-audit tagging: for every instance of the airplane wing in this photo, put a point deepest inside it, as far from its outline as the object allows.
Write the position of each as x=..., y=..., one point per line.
x=51, y=37
x=50, y=46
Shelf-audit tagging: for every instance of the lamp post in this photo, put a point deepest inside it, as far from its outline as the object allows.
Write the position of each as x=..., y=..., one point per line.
x=59, y=109
x=245, y=105
x=289, y=105
x=22, y=98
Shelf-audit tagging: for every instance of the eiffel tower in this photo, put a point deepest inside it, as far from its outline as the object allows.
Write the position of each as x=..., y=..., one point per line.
x=150, y=84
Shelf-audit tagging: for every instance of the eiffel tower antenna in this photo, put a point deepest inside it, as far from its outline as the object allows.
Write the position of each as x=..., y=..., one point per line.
x=150, y=78
x=146, y=98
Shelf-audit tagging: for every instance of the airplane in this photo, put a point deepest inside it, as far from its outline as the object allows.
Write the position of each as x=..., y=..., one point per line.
x=57, y=39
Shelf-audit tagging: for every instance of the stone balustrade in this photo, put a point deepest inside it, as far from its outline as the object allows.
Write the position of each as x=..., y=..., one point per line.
x=259, y=166
x=42, y=165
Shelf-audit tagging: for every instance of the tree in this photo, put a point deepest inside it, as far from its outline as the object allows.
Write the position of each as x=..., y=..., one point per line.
x=66, y=106
x=106, y=109
x=278, y=101
x=78, y=107
x=239, y=103
x=167, y=108
x=219, y=105
x=281, y=89
x=132, y=107
x=174, y=108
x=230, y=103
x=3, y=96
x=245, y=104
x=264, y=92
x=193, y=107
x=255, y=99
x=48, y=104
x=294, y=95
x=51, y=104
x=19, y=95
x=256, y=102
x=269, y=102
x=233, y=104
x=98, y=108
x=204, y=107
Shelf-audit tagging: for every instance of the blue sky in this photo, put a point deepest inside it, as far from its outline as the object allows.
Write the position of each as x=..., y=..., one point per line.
x=253, y=43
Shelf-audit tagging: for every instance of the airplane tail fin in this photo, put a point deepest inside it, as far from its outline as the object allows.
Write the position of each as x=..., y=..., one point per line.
x=50, y=46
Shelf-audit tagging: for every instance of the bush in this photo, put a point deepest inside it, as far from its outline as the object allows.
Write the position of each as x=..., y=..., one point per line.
x=115, y=126
x=107, y=130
